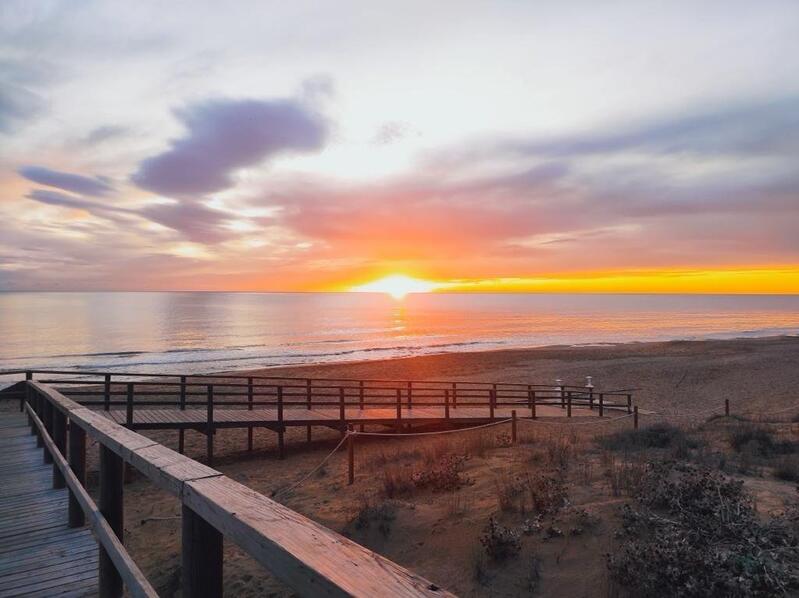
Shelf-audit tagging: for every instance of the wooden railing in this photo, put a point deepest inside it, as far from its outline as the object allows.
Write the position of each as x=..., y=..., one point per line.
x=308, y=557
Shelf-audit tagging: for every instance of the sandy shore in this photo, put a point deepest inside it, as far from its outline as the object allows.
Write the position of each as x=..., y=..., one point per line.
x=668, y=376
x=438, y=534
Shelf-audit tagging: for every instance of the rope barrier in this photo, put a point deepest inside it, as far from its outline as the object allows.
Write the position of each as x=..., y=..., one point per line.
x=280, y=491
x=497, y=423
x=601, y=421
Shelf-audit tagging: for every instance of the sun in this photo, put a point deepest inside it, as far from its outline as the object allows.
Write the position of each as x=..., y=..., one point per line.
x=396, y=285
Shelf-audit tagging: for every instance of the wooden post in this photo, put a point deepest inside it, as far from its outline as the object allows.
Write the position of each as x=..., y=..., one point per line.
x=281, y=429
x=569, y=405
x=446, y=403
x=513, y=426
x=342, y=413
x=28, y=398
x=491, y=399
x=629, y=403
x=351, y=458
x=399, y=408
x=209, y=426
x=249, y=408
x=454, y=395
x=60, y=441
x=77, y=463
x=201, y=557
x=562, y=396
x=601, y=404
x=591, y=399
x=635, y=417
x=39, y=407
x=533, y=402
x=360, y=395
x=182, y=432
x=309, y=403
x=727, y=407
x=111, y=506
x=107, y=394
x=129, y=411
x=410, y=395
x=48, y=425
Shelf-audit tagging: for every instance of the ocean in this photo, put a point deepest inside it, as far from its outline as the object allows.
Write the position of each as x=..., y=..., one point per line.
x=206, y=332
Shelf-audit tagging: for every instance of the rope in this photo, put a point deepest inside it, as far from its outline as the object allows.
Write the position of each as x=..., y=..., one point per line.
x=497, y=423
x=601, y=421
x=280, y=491
x=694, y=414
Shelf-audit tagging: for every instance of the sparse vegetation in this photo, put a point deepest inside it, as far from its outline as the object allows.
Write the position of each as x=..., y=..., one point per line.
x=500, y=542
x=656, y=436
x=382, y=515
x=758, y=441
x=695, y=532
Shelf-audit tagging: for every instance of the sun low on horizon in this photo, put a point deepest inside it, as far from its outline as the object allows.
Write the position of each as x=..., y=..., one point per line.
x=397, y=286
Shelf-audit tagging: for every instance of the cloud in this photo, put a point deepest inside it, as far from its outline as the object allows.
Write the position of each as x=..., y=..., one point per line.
x=103, y=133
x=223, y=136
x=195, y=221
x=764, y=128
x=391, y=132
x=75, y=183
x=17, y=105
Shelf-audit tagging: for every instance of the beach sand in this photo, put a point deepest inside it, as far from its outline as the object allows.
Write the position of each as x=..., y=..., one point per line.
x=437, y=533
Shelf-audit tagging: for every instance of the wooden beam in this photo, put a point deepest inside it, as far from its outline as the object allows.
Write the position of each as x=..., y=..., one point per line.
x=77, y=463
x=112, y=509
x=201, y=557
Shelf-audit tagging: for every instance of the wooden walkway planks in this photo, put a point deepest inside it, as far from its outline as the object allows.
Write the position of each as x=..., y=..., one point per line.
x=39, y=554
x=329, y=416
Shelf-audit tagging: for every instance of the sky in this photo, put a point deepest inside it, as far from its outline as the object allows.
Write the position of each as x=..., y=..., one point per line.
x=513, y=146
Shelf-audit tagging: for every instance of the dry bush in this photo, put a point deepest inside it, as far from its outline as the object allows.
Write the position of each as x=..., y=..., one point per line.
x=787, y=469
x=382, y=515
x=500, y=542
x=656, y=436
x=397, y=480
x=624, y=475
x=758, y=441
x=441, y=476
x=694, y=532
x=559, y=450
x=547, y=493
x=510, y=491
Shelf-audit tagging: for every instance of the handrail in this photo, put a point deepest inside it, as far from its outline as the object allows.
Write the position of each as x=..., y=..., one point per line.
x=135, y=580
x=310, y=558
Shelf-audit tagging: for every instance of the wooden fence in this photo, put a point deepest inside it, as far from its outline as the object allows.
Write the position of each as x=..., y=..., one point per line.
x=308, y=557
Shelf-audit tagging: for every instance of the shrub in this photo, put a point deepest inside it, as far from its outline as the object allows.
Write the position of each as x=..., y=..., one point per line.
x=397, y=480
x=695, y=532
x=547, y=493
x=382, y=514
x=443, y=476
x=656, y=436
x=787, y=469
x=758, y=441
x=499, y=541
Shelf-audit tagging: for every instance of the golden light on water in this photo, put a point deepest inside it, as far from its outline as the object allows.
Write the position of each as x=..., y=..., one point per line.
x=396, y=285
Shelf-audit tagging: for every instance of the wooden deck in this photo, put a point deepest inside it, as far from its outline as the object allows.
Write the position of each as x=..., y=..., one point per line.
x=39, y=554
x=153, y=419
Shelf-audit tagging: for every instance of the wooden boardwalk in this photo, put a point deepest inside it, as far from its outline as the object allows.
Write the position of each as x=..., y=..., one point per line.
x=39, y=554
x=153, y=419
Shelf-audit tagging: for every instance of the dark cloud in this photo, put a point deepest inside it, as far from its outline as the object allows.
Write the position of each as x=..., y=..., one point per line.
x=755, y=128
x=17, y=105
x=104, y=133
x=195, y=221
x=223, y=136
x=75, y=183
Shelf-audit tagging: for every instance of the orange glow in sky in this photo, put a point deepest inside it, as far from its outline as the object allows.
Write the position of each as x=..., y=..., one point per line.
x=396, y=285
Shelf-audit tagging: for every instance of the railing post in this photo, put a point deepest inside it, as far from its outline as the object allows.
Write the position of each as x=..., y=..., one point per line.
x=77, y=463
x=111, y=506
x=601, y=404
x=562, y=393
x=410, y=395
x=38, y=406
x=513, y=426
x=591, y=398
x=454, y=395
x=60, y=441
x=360, y=395
x=209, y=426
x=48, y=425
x=629, y=403
x=201, y=556
x=491, y=399
x=107, y=394
x=249, y=408
x=182, y=432
x=399, y=408
x=727, y=407
x=446, y=403
x=308, y=400
x=342, y=413
x=533, y=401
x=281, y=430
x=28, y=398
x=635, y=417
x=129, y=406
x=350, y=458
x=569, y=404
